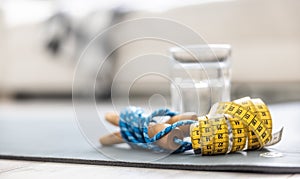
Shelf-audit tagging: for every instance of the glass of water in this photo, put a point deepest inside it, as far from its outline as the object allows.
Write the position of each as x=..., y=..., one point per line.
x=200, y=77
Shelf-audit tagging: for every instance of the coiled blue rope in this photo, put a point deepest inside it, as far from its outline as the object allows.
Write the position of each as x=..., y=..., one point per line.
x=134, y=129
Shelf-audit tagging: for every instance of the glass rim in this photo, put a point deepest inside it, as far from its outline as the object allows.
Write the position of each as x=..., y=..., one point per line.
x=201, y=53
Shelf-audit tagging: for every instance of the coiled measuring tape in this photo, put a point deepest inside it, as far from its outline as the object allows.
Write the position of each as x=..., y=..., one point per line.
x=234, y=126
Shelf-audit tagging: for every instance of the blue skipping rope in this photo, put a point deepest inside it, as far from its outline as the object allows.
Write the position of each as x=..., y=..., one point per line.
x=134, y=129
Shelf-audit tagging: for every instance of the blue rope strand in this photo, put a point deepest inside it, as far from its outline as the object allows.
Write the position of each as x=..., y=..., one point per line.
x=134, y=129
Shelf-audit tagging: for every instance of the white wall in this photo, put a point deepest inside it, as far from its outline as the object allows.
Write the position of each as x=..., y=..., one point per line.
x=265, y=36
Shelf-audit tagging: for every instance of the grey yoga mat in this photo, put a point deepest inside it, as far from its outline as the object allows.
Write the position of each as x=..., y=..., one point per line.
x=54, y=137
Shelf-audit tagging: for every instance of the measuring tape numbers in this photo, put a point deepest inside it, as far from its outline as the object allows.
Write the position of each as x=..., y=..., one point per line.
x=234, y=126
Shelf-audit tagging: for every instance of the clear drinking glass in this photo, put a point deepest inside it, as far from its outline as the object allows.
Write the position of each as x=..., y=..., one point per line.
x=200, y=77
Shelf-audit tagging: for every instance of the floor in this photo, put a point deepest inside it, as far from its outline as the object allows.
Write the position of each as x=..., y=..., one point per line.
x=27, y=169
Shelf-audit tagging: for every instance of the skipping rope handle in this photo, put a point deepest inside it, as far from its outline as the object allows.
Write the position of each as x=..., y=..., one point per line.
x=166, y=142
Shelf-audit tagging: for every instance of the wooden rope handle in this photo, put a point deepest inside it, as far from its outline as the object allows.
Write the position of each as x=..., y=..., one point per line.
x=111, y=139
x=112, y=118
x=184, y=116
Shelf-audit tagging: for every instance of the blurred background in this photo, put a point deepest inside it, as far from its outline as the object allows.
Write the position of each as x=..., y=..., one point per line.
x=41, y=42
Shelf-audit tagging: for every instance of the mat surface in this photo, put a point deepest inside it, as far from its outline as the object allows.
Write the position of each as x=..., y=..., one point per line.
x=53, y=135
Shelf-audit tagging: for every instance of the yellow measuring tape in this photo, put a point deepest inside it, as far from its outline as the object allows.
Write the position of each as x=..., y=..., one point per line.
x=234, y=126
